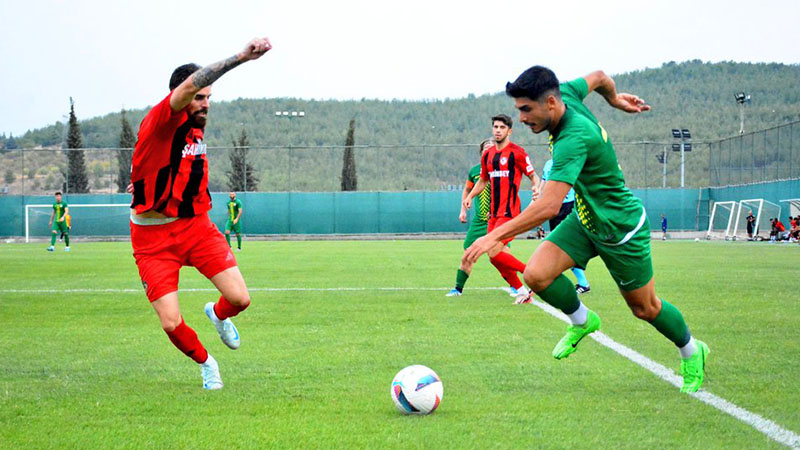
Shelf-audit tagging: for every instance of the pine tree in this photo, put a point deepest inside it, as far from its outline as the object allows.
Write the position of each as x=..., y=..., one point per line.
x=77, y=180
x=349, y=177
x=242, y=176
x=11, y=143
x=124, y=157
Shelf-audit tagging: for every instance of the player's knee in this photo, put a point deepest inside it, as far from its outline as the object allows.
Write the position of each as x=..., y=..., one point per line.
x=228, y=232
x=535, y=279
x=169, y=324
x=55, y=232
x=240, y=299
x=644, y=311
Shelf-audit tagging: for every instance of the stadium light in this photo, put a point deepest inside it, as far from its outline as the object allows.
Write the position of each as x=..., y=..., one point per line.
x=741, y=99
x=291, y=114
x=683, y=146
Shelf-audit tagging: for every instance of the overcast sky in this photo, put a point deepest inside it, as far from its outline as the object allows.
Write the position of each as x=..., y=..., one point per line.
x=113, y=54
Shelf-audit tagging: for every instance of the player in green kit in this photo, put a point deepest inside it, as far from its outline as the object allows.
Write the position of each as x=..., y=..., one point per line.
x=58, y=223
x=477, y=227
x=234, y=223
x=608, y=221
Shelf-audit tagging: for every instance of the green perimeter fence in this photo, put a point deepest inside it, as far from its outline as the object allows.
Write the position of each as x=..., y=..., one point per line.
x=280, y=213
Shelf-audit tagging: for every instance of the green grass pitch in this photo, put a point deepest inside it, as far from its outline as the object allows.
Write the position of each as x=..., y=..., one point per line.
x=91, y=368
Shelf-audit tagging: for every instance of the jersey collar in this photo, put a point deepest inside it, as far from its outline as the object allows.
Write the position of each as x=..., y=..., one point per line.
x=561, y=122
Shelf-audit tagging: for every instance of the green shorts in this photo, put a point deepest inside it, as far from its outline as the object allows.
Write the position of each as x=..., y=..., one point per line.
x=60, y=226
x=476, y=231
x=229, y=226
x=630, y=263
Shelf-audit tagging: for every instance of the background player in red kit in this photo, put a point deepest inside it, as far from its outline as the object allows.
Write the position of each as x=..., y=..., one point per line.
x=503, y=165
x=170, y=227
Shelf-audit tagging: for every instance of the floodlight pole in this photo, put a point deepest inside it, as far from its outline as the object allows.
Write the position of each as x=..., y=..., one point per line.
x=683, y=161
x=664, y=176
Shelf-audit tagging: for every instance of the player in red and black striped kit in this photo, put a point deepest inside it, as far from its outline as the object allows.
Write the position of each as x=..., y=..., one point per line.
x=503, y=166
x=170, y=227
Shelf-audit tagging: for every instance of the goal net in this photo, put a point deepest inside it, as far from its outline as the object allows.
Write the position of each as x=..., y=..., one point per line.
x=93, y=220
x=720, y=225
x=762, y=210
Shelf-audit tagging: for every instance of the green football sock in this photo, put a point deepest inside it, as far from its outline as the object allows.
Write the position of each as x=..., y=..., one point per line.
x=228, y=238
x=461, y=280
x=670, y=323
x=561, y=294
x=239, y=241
x=53, y=240
x=66, y=238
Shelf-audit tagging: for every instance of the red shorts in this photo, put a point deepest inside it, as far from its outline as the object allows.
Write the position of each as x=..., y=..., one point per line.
x=161, y=251
x=495, y=222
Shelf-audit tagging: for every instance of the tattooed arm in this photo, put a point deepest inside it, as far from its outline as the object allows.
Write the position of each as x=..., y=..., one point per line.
x=185, y=92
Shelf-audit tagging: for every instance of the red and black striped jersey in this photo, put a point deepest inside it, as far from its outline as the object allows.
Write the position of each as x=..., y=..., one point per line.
x=170, y=169
x=503, y=169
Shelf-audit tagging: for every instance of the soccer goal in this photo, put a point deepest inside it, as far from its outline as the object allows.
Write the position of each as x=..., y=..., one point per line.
x=763, y=210
x=93, y=220
x=720, y=225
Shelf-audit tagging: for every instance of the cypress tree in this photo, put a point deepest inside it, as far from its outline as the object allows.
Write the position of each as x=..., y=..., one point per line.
x=124, y=157
x=349, y=177
x=77, y=180
x=242, y=176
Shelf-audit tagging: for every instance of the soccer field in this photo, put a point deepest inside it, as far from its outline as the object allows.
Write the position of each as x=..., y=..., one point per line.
x=84, y=363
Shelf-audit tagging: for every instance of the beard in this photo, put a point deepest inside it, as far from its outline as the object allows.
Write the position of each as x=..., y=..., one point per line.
x=198, y=121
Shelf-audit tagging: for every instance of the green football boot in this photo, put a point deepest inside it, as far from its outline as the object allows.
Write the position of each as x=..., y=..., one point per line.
x=693, y=368
x=575, y=333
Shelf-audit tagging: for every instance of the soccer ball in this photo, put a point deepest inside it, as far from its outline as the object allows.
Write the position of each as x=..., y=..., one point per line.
x=417, y=390
x=697, y=239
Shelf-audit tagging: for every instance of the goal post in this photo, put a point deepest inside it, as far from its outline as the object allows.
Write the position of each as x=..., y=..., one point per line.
x=101, y=219
x=720, y=225
x=763, y=211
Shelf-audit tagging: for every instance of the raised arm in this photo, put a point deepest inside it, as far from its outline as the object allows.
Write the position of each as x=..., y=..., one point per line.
x=185, y=92
x=604, y=85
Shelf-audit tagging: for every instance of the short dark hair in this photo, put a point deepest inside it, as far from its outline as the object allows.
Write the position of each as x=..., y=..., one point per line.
x=180, y=74
x=483, y=142
x=58, y=193
x=534, y=83
x=503, y=118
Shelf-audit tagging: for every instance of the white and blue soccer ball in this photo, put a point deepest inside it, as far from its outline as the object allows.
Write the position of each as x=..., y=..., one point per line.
x=417, y=390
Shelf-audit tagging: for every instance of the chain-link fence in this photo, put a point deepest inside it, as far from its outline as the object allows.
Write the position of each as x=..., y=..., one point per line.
x=754, y=157
x=766, y=155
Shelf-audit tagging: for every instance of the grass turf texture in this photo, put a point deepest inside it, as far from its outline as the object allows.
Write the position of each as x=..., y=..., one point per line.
x=94, y=369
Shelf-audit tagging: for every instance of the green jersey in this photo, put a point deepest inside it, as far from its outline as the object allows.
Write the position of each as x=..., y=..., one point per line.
x=484, y=199
x=584, y=158
x=59, y=209
x=233, y=209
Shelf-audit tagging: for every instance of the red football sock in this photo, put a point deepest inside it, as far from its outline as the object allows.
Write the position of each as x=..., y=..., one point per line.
x=508, y=274
x=186, y=340
x=508, y=260
x=224, y=309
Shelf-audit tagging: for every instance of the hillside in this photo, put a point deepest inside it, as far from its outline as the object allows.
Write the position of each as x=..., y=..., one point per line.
x=694, y=95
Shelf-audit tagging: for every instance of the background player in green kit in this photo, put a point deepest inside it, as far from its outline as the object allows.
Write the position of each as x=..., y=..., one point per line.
x=477, y=227
x=58, y=223
x=609, y=221
x=234, y=223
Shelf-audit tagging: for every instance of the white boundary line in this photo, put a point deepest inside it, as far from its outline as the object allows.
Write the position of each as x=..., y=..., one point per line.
x=760, y=423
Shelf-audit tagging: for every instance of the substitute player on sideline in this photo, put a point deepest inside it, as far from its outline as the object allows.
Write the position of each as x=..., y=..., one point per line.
x=610, y=221
x=567, y=205
x=170, y=226
x=504, y=165
x=480, y=220
x=58, y=223
x=235, y=211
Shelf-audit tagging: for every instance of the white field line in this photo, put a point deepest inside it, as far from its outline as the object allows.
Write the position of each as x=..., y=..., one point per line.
x=762, y=424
